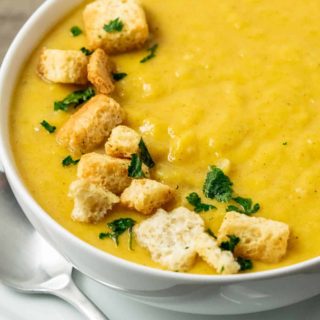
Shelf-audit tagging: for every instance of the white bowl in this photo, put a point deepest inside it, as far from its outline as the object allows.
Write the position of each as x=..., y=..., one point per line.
x=201, y=294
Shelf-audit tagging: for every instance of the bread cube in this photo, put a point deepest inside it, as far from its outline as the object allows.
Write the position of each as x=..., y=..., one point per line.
x=63, y=66
x=123, y=142
x=110, y=173
x=133, y=34
x=91, y=125
x=222, y=261
x=145, y=195
x=260, y=239
x=91, y=202
x=170, y=237
x=100, y=72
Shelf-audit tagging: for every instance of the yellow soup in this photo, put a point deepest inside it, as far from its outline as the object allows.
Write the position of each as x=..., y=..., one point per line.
x=236, y=80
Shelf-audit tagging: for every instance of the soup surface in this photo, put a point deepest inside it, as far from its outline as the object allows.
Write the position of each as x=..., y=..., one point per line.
x=236, y=80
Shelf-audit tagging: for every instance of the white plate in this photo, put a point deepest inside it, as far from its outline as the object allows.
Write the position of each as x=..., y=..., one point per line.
x=17, y=306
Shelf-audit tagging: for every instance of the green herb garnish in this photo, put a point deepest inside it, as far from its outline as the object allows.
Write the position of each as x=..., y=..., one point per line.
x=246, y=206
x=217, y=185
x=194, y=199
x=135, y=167
x=118, y=227
x=75, y=31
x=86, y=51
x=68, y=161
x=74, y=99
x=119, y=76
x=113, y=26
x=211, y=233
x=245, y=264
x=48, y=126
x=231, y=244
x=151, y=55
x=145, y=155
x=284, y=143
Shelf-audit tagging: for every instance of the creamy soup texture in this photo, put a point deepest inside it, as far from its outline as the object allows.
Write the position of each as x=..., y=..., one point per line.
x=236, y=80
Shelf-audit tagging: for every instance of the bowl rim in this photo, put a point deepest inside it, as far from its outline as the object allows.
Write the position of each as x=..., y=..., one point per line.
x=8, y=162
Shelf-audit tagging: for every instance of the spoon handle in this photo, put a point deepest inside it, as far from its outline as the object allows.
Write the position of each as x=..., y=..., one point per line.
x=75, y=297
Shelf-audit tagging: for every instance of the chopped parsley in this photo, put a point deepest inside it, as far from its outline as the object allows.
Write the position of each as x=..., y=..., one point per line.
x=245, y=264
x=284, y=143
x=68, y=161
x=48, y=126
x=152, y=53
x=86, y=51
x=246, y=206
x=211, y=233
x=217, y=185
x=231, y=244
x=194, y=199
x=119, y=76
x=113, y=26
x=75, y=31
x=135, y=167
x=74, y=99
x=118, y=227
x=145, y=155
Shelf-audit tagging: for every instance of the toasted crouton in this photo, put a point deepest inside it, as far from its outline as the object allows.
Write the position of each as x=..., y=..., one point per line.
x=170, y=237
x=110, y=173
x=260, y=239
x=123, y=142
x=129, y=13
x=63, y=66
x=91, y=202
x=90, y=125
x=222, y=261
x=100, y=72
x=145, y=195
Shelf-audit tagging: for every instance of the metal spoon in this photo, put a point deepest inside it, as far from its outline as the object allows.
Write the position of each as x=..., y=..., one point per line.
x=29, y=264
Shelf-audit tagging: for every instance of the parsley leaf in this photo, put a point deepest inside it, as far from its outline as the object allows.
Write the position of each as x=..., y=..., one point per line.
x=217, y=185
x=74, y=99
x=86, y=51
x=75, y=31
x=48, y=126
x=246, y=206
x=145, y=155
x=118, y=227
x=231, y=244
x=151, y=55
x=194, y=199
x=113, y=26
x=68, y=161
x=119, y=76
x=135, y=167
x=245, y=264
x=211, y=233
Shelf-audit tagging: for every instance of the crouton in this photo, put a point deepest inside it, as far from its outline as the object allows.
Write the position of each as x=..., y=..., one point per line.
x=133, y=28
x=110, y=173
x=209, y=250
x=145, y=195
x=63, y=66
x=91, y=202
x=170, y=237
x=90, y=125
x=100, y=72
x=260, y=238
x=123, y=142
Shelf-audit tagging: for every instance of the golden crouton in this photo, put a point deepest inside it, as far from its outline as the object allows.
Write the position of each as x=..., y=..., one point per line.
x=209, y=250
x=90, y=125
x=63, y=66
x=110, y=173
x=131, y=29
x=123, y=142
x=91, y=202
x=100, y=72
x=260, y=239
x=145, y=195
x=170, y=237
